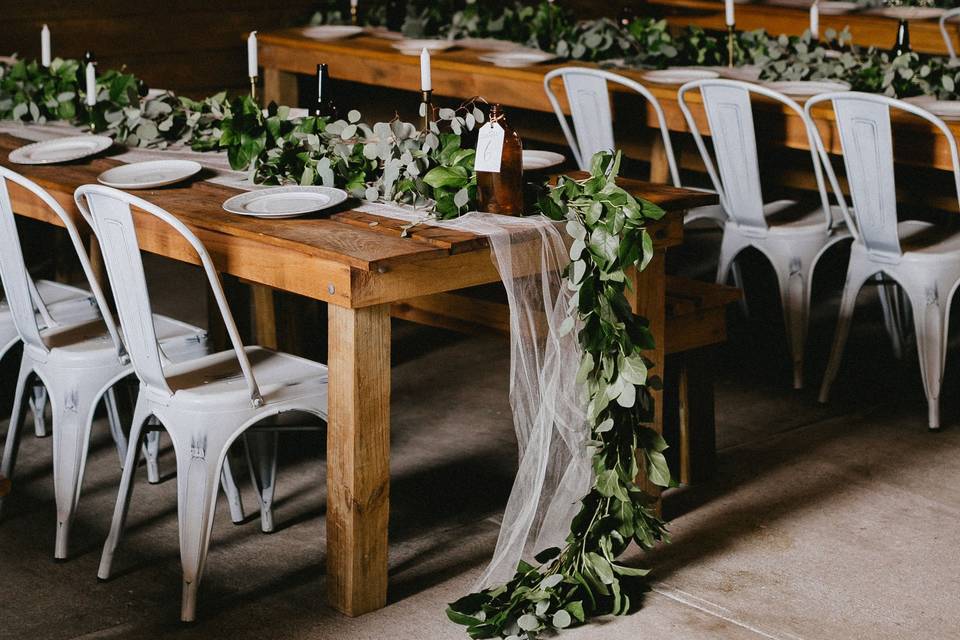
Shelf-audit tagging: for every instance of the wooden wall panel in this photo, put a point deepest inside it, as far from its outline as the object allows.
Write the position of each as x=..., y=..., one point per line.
x=191, y=47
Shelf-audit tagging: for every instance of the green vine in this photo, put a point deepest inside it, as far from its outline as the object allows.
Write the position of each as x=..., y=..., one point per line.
x=584, y=579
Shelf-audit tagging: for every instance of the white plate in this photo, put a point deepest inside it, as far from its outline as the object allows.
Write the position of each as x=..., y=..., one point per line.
x=806, y=88
x=679, y=75
x=534, y=160
x=947, y=109
x=332, y=31
x=150, y=174
x=60, y=150
x=838, y=8
x=284, y=202
x=517, y=59
x=746, y=73
x=414, y=47
x=910, y=13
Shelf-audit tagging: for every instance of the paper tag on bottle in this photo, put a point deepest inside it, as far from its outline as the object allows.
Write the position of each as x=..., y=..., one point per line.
x=489, y=148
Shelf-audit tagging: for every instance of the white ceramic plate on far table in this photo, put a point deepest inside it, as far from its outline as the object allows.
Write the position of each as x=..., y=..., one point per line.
x=284, y=202
x=517, y=59
x=910, y=13
x=947, y=109
x=679, y=75
x=414, y=47
x=806, y=88
x=150, y=174
x=838, y=8
x=60, y=150
x=332, y=31
x=534, y=160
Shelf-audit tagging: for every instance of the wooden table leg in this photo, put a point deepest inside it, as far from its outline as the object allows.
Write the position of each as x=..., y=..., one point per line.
x=659, y=166
x=280, y=87
x=358, y=458
x=264, y=316
x=649, y=299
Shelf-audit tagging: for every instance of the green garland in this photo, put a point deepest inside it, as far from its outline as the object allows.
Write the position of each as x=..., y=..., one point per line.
x=584, y=578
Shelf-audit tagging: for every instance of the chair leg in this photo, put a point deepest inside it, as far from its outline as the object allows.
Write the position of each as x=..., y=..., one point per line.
x=848, y=303
x=262, y=460
x=930, y=322
x=116, y=423
x=72, y=417
x=197, y=473
x=794, y=298
x=38, y=406
x=894, y=313
x=125, y=492
x=737, y=275
x=151, y=451
x=230, y=489
x=16, y=419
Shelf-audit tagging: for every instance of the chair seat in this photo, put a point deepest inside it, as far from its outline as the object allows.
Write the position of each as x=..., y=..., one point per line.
x=795, y=216
x=86, y=342
x=216, y=381
x=927, y=241
x=64, y=302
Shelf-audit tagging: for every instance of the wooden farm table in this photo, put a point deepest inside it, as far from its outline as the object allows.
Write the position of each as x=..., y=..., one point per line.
x=359, y=270
x=867, y=28
x=459, y=73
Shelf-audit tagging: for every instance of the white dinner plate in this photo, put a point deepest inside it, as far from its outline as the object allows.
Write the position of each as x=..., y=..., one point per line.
x=838, y=8
x=332, y=31
x=746, y=73
x=60, y=150
x=414, y=47
x=910, y=13
x=947, y=109
x=806, y=88
x=284, y=202
x=517, y=59
x=534, y=160
x=150, y=174
x=679, y=75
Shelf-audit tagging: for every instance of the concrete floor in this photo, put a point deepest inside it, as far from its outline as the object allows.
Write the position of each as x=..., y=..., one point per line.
x=834, y=521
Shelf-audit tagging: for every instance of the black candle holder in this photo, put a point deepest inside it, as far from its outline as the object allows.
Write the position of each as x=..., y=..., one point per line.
x=426, y=106
x=731, y=34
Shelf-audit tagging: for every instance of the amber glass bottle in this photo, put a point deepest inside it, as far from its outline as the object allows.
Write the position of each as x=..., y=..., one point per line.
x=503, y=192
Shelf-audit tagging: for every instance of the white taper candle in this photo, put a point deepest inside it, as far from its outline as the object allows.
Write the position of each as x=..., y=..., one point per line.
x=728, y=13
x=815, y=20
x=426, y=83
x=91, y=85
x=353, y=4
x=45, y=46
x=252, y=65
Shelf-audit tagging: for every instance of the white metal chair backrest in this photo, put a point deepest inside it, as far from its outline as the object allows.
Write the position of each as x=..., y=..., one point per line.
x=728, y=106
x=863, y=120
x=951, y=13
x=589, y=98
x=112, y=220
x=22, y=296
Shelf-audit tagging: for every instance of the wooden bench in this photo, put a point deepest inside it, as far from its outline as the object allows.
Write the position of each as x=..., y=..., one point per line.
x=696, y=321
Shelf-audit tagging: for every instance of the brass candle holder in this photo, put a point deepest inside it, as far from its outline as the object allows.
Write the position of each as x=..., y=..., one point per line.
x=731, y=34
x=353, y=14
x=426, y=107
x=253, y=87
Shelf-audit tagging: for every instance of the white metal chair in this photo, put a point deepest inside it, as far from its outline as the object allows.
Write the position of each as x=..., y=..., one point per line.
x=922, y=258
x=793, y=235
x=947, y=15
x=588, y=96
x=205, y=403
x=78, y=357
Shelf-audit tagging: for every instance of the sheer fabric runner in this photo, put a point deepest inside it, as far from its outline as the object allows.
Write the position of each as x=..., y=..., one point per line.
x=548, y=405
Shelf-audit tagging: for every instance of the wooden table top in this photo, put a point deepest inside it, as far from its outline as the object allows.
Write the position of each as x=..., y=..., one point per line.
x=867, y=28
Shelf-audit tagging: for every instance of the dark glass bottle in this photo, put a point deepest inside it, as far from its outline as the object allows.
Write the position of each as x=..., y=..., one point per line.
x=324, y=105
x=902, y=45
x=396, y=14
x=503, y=192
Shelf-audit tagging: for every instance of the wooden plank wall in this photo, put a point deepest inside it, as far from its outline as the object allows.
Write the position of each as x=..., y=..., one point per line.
x=192, y=47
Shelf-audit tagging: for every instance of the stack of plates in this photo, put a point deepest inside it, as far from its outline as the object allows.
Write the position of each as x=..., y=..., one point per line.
x=332, y=31
x=60, y=150
x=517, y=59
x=947, y=109
x=806, y=88
x=679, y=75
x=414, y=47
x=910, y=13
x=284, y=202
